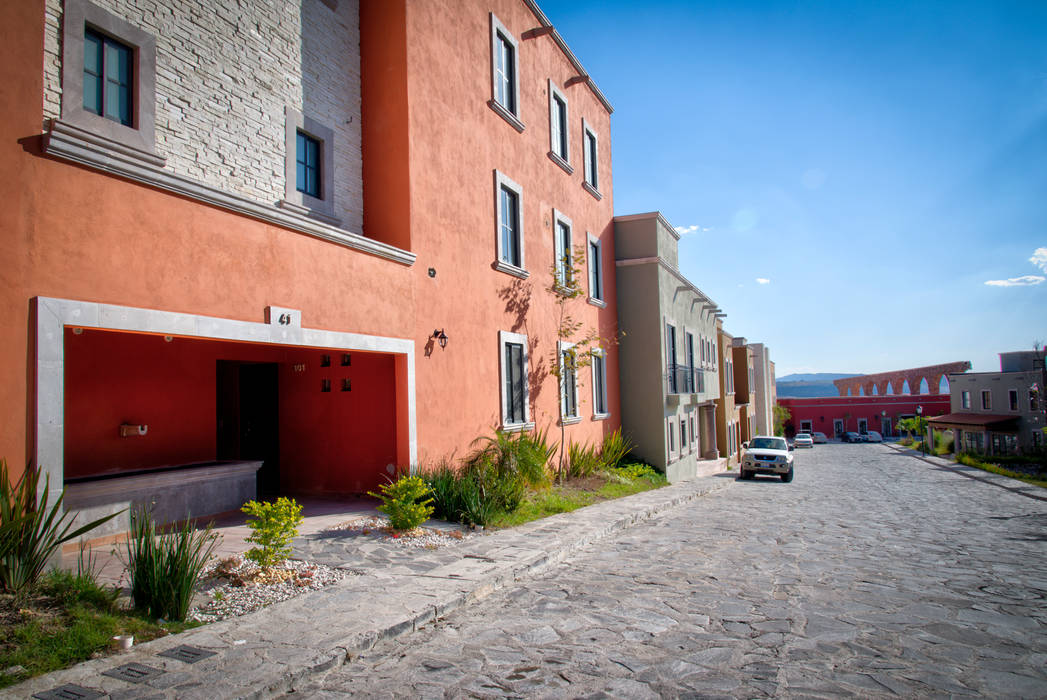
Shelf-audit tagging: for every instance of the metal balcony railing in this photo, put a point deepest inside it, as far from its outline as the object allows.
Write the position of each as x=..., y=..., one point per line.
x=684, y=379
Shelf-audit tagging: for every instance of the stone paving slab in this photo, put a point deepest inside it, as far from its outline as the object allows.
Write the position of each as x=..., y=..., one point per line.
x=264, y=653
x=1004, y=482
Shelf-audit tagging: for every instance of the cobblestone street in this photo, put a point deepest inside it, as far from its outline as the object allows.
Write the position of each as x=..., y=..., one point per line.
x=872, y=574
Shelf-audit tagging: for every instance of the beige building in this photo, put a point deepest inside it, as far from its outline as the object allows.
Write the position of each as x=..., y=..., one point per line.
x=998, y=413
x=763, y=388
x=728, y=416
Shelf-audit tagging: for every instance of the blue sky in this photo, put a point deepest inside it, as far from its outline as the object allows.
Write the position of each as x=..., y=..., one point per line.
x=875, y=164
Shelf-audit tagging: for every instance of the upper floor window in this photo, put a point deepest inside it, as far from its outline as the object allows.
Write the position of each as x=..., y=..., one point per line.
x=563, y=250
x=307, y=162
x=965, y=399
x=1034, y=402
x=509, y=225
x=108, y=77
x=1012, y=395
x=505, y=78
x=595, y=270
x=987, y=400
x=590, y=153
x=559, y=139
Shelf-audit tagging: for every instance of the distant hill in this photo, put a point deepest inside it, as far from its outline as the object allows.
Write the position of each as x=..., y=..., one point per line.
x=806, y=385
x=816, y=377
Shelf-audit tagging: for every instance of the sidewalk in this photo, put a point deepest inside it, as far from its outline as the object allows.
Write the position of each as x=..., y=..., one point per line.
x=1003, y=482
x=262, y=654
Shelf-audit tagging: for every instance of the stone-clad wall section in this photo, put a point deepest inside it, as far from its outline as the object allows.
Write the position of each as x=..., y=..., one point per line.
x=226, y=70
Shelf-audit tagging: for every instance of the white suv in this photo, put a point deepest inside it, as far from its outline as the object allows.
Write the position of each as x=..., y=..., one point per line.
x=765, y=454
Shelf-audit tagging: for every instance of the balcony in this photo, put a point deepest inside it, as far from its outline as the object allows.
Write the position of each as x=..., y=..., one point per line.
x=683, y=379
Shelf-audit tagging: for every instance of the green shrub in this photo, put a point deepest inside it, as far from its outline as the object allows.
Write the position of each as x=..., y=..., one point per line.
x=583, y=460
x=274, y=526
x=165, y=565
x=401, y=502
x=30, y=531
x=615, y=448
x=445, y=490
x=637, y=470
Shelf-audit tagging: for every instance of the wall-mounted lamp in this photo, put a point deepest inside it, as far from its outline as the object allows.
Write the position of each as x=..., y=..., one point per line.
x=168, y=339
x=78, y=331
x=883, y=413
x=129, y=430
x=919, y=410
x=440, y=337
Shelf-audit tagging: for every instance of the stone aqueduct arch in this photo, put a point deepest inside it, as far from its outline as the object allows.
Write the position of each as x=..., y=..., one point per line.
x=864, y=384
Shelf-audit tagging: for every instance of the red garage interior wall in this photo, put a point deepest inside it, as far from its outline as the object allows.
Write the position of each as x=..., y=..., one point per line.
x=821, y=411
x=335, y=442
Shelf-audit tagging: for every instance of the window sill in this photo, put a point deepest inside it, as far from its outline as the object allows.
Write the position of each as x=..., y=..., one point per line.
x=518, y=427
x=591, y=190
x=561, y=162
x=513, y=270
x=505, y=114
x=570, y=420
x=310, y=212
x=598, y=302
x=601, y=416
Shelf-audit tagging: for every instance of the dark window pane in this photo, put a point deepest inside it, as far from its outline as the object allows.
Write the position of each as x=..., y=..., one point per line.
x=514, y=389
x=307, y=162
x=93, y=72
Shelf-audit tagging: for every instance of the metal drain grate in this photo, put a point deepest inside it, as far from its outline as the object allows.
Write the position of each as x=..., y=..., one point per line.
x=69, y=691
x=133, y=673
x=186, y=653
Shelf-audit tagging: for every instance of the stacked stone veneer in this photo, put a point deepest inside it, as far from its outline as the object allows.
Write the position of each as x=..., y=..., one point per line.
x=226, y=70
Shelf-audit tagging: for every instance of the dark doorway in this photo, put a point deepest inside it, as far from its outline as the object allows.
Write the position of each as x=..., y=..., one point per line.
x=248, y=397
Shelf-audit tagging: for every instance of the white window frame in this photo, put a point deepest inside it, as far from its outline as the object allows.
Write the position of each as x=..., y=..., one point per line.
x=563, y=260
x=591, y=179
x=986, y=399
x=561, y=348
x=592, y=241
x=500, y=181
x=500, y=31
x=600, y=380
x=685, y=444
x=809, y=424
x=965, y=399
x=505, y=338
x=141, y=136
x=561, y=159
x=670, y=436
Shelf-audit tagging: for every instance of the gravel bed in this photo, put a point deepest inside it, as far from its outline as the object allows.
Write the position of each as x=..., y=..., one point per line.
x=236, y=586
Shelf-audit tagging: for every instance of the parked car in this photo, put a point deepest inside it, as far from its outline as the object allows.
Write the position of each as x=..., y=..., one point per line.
x=819, y=438
x=765, y=454
x=873, y=436
x=850, y=437
x=803, y=440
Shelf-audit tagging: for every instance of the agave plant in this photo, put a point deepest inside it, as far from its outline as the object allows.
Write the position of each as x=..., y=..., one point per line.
x=30, y=531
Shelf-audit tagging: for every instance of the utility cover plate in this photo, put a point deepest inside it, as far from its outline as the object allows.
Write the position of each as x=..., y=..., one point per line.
x=186, y=653
x=69, y=691
x=133, y=673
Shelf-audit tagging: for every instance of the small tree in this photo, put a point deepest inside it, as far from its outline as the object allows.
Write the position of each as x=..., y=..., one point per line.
x=581, y=341
x=781, y=416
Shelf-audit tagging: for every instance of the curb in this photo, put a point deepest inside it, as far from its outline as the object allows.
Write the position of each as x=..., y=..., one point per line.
x=260, y=655
x=999, y=480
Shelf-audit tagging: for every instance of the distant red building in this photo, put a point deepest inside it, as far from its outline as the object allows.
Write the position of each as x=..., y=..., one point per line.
x=833, y=415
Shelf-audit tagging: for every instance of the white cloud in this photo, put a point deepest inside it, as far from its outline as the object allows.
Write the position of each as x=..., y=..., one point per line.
x=685, y=230
x=762, y=280
x=1039, y=258
x=1023, y=281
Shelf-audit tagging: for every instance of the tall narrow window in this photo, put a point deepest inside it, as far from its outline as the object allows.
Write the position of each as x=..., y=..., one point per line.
x=689, y=345
x=965, y=399
x=307, y=165
x=1034, y=400
x=599, y=384
x=569, y=380
x=595, y=271
x=1013, y=396
x=514, y=383
x=513, y=348
x=987, y=400
x=670, y=356
x=563, y=251
x=108, y=77
x=559, y=143
x=510, y=224
x=591, y=153
x=505, y=71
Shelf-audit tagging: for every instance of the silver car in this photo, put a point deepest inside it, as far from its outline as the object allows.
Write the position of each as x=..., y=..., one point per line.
x=765, y=454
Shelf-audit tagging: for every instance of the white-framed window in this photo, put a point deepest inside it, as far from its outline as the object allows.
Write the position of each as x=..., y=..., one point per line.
x=599, y=367
x=308, y=166
x=512, y=351
x=965, y=399
x=563, y=245
x=987, y=400
x=559, y=133
x=683, y=434
x=108, y=76
x=805, y=426
x=568, y=383
x=595, y=259
x=505, y=74
x=694, y=426
x=1012, y=397
x=509, y=226
x=591, y=158
x=671, y=436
